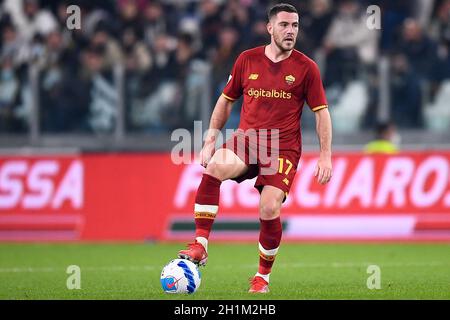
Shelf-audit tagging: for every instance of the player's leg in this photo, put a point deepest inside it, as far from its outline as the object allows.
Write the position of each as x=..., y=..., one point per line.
x=224, y=164
x=269, y=236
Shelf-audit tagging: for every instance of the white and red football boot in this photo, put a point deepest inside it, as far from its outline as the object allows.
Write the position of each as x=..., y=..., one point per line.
x=195, y=253
x=258, y=285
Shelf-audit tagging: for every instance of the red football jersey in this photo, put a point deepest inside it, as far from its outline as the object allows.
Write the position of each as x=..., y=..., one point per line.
x=274, y=93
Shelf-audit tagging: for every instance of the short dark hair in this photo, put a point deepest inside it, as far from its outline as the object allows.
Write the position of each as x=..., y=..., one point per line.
x=280, y=7
x=382, y=127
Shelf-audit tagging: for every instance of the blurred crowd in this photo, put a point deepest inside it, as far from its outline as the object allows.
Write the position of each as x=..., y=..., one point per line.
x=163, y=50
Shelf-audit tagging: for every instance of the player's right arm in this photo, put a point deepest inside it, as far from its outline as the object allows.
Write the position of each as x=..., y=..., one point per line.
x=219, y=117
x=317, y=101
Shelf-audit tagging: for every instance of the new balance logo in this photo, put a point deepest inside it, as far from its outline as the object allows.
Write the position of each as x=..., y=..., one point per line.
x=253, y=76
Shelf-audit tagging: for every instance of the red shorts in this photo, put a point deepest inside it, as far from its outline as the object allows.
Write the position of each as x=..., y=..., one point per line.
x=276, y=168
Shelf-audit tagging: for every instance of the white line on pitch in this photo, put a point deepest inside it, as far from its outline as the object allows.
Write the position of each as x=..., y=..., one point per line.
x=61, y=269
x=232, y=266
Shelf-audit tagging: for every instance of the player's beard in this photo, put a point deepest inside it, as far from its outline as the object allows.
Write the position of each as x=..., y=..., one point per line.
x=283, y=45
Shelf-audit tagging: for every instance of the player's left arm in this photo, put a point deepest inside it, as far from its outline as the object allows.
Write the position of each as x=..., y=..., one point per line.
x=324, y=170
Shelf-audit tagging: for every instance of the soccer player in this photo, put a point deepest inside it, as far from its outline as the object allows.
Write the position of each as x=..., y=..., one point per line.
x=275, y=80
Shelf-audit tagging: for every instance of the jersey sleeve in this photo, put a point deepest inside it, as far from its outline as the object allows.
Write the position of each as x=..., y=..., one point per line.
x=315, y=93
x=234, y=87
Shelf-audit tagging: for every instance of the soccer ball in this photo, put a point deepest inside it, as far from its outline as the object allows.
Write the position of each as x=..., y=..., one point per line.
x=180, y=276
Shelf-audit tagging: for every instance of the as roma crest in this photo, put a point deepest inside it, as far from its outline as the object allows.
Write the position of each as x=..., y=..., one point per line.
x=290, y=79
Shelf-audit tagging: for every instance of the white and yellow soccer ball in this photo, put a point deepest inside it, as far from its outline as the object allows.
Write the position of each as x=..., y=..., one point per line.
x=180, y=276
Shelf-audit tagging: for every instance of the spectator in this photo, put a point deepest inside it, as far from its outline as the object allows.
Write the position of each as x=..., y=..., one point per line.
x=394, y=13
x=112, y=51
x=258, y=36
x=10, y=89
x=164, y=69
x=154, y=23
x=13, y=46
x=75, y=39
x=30, y=19
x=387, y=140
x=63, y=101
x=348, y=44
x=440, y=28
x=210, y=23
x=420, y=50
x=440, y=32
x=54, y=50
x=158, y=93
x=163, y=46
x=224, y=57
x=97, y=78
x=180, y=59
x=237, y=15
x=179, y=69
x=406, y=94
x=315, y=24
x=136, y=55
x=129, y=14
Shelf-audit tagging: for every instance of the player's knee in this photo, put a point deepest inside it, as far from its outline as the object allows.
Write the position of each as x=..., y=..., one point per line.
x=215, y=170
x=269, y=209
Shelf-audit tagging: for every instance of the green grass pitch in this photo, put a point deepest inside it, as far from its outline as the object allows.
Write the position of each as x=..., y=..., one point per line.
x=301, y=271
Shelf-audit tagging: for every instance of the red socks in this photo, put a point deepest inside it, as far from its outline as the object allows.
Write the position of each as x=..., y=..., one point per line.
x=269, y=241
x=206, y=205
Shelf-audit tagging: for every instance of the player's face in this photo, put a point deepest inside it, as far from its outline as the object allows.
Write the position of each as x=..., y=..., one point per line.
x=284, y=30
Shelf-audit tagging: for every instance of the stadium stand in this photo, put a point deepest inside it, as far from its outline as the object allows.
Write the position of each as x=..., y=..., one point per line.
x=140, y=68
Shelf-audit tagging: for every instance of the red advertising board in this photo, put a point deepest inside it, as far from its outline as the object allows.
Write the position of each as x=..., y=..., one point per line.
x=135, y=197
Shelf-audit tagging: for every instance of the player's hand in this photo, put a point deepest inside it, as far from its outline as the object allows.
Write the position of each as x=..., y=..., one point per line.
x=323, y=170
x=207, y=152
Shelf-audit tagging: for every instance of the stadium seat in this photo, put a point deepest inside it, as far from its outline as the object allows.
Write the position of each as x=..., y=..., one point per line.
x=350, y=107
x=437, y=114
